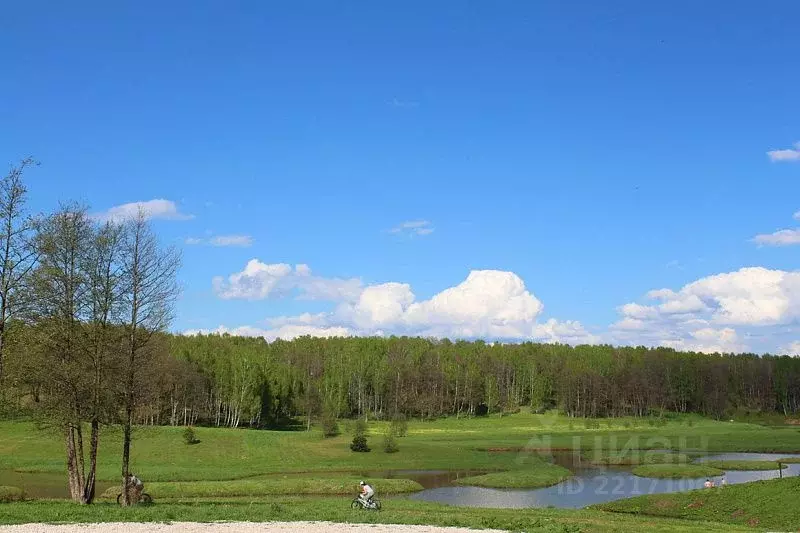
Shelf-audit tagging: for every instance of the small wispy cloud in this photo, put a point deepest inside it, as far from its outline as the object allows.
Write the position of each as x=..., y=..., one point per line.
x=231, y=240
x=790, y=154
x=784, y=237
x=413, y=227
x=404, y=103
x=242, y=241
x=674, y=264
x=157, y=209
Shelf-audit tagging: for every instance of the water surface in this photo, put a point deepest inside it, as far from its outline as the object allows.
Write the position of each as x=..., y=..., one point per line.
x=597, y=484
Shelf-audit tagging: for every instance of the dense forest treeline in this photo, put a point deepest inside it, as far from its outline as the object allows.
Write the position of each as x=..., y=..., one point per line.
x=223, y=380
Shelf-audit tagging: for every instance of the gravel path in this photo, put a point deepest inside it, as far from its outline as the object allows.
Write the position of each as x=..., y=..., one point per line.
x=235, y=527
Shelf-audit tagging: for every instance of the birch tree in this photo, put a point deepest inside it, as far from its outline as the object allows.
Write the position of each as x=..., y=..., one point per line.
x=17, y=250
x=149, y=291
x=61, y=286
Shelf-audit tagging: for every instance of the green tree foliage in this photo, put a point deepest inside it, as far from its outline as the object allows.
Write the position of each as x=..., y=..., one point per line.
x=189, y=436
x=389, y=442
x=227, y=381
x=330, y=427
x=399, y=425
x=359, y=443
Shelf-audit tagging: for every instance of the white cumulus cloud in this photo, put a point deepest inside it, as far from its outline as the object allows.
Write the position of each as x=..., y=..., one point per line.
x=788, y=155
x=259, y=281
x=702, y=315
x=285, y=332
x=159, y=209
x=793, y=349
x=487, y=304
x=709, y=340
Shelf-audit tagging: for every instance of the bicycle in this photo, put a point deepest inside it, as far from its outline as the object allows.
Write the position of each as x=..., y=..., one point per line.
x=372, y=505
x=145, y=498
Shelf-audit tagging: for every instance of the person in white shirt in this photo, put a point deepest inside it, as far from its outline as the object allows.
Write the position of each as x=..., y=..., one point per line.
x=367, y=492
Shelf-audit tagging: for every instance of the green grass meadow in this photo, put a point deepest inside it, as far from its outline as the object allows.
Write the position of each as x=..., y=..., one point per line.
x=243, y=474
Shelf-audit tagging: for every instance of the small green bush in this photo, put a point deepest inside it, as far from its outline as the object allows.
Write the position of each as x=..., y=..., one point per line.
x=330, y=428
x=389, y=442
x=399, y=426
x=359, y=443
x=188, y=436
x=11, y=494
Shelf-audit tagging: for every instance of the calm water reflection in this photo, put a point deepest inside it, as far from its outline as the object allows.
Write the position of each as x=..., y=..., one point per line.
x=43, y=485
x=591, y=485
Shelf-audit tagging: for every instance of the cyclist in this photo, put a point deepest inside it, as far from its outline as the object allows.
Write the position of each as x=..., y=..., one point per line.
x=367, y=492
x=137, y=487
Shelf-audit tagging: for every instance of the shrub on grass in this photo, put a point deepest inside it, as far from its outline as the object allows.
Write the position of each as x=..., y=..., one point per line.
x=188, y=436
x=11, y=494
x=399, y=426
x=389, y=442
x=330, y=428
x=359, y=443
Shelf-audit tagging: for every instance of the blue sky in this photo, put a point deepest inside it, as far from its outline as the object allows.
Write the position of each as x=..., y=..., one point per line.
x=594, y=151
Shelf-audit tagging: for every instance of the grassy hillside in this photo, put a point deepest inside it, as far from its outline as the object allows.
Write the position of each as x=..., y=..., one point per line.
x=338, y=510
x=674, y=471
x=245, y=474
x=159, y=453
x=767, y=504
x=529, y=478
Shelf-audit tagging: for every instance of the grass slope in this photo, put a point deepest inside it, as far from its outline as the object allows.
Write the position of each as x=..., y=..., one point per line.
x=744, y=465
x=543, y=475
x=671, y=471
x=159, y=454
x=637, y=457
x=338, y=510
x=11, y=494
x=269, y=487
x=766, y=504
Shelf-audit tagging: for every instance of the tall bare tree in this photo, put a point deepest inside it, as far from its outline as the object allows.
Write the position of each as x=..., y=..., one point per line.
x=17, y=251
x=149, y=291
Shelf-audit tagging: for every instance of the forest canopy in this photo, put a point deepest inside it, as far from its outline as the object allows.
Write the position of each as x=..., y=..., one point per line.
x=223, y=380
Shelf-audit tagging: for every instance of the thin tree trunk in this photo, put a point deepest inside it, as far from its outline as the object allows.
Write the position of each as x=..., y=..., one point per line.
x=89, y=487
